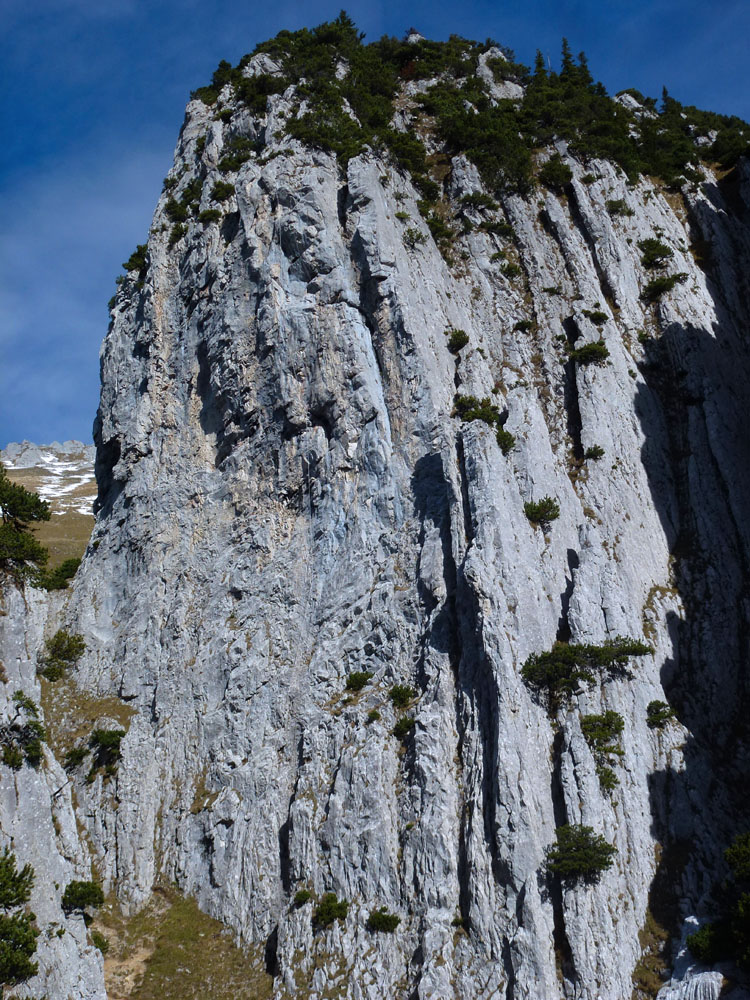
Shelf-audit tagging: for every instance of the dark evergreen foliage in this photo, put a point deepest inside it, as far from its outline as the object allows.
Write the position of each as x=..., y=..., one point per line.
x=383, y=921
x=542, y=512
x=595, y=353
x=579, y=856
x=20, y=553
x=559, y=672
x=18, y=931
x=81, y=896
x=329, y=909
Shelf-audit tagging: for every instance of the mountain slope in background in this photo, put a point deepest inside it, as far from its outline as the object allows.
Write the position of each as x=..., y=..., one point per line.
x=62, y=474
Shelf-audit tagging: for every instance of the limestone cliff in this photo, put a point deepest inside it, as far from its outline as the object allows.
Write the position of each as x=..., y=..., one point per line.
x=287, y=496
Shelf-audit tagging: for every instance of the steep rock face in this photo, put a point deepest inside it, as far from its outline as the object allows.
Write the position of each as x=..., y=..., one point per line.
x=37, y=821
x=286, y=498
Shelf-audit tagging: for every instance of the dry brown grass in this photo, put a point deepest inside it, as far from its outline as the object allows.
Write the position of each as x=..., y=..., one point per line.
x=67, y=532
x=171, y=950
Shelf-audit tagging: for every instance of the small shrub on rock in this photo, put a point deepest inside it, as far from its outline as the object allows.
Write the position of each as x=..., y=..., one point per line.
x=62, y=651
x=479, y=200
x=618, y=206
x=457, y=340
x=470, y=408
x=221, y=191
x=658, y=714
x=75, y=757
x=402, y=694
x=711, y=943
x=357, y=679
x=176, y=211
x=602, y=733
x=596, y=316
x=590, y=354
x=329, y=909
x=209, y=215
x=21, y=739
x=58, y=578
x=655, y=253
x=372, y=716
x=99, y=941
x=555, y=174
x=176, y=233
x=414, y=237
x=301, y=897
x=660, y=286
x=81, y=896
x=105, y=745
x=559, y=672
x=506, y=440
x=383, y=921
x=542, y=512
x=137, y=260
x=403, y=727
x=579, y=856
x=18, y=931
x=595, y=452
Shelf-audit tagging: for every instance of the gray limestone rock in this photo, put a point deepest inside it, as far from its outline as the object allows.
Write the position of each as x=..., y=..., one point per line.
x=285, y=497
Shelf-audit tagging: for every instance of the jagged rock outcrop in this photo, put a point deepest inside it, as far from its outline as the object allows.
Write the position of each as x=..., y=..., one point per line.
x=285, y=497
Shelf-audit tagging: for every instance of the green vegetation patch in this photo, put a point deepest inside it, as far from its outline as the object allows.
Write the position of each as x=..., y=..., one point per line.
x=655, y=253
x=658, y=714
x=221, y=191
x=329, y=909
x=403, y=728
x=401, y=695
x=595, y=353
x=59, y=577
x=18, y=930
x=21, y=739
x=21, y=555
x=618, y=206
x=137, y=261
x=470, y=408
x=61, y=652
x=728, y=937
x=579, y=856
x=660, y=286
x=349, y=90
x=357, y=679
x=105, y=747
x=559, y=673
x=81, y=896
x=237, y=151
x=383, y=921
x=171, y=950
x=542, y=512
x=602, y=733
x=555, y=174
x=457, y=340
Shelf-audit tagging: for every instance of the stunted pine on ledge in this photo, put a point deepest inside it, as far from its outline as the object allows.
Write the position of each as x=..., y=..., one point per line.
x=558, y=674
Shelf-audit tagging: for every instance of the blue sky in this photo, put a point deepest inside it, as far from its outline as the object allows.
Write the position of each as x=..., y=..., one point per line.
x=94, y=96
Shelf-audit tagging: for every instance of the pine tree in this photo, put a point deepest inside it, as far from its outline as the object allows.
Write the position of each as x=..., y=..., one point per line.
x=20, y=552
x=18, y=932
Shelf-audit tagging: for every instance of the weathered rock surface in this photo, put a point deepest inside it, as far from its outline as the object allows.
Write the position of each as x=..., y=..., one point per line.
x=285, y=498
x=37, y=821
